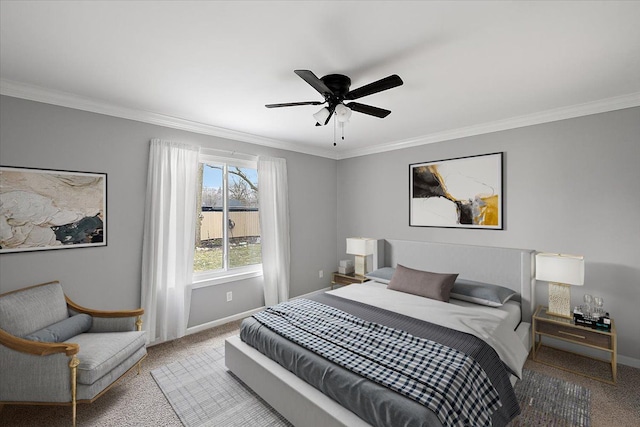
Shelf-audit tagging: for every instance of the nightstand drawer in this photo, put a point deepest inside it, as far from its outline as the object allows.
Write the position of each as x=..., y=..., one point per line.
x=575, y=334
x=346, y=279
x=341, y=280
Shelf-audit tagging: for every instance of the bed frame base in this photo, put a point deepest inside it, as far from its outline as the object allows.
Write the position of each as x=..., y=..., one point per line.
x=293, y=398
x=296, y=400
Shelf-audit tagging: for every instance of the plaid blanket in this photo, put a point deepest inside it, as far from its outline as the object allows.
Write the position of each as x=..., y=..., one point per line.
x=448, y=382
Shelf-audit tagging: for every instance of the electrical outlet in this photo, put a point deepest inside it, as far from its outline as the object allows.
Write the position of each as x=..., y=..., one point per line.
x=321, y=274
x=229, y=296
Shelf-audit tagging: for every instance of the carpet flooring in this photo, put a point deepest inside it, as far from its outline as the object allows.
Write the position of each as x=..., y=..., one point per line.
x=137, y=401
x=204, y=393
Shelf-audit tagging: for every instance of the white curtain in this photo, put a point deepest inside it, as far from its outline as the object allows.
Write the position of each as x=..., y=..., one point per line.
x=274, y=228
x=169, y=238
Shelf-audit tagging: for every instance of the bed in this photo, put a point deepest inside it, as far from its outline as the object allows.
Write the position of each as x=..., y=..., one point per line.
x=304, y=405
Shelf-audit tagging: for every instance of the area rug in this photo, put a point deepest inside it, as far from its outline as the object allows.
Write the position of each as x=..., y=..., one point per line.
x=549, y=401
x=204, y=393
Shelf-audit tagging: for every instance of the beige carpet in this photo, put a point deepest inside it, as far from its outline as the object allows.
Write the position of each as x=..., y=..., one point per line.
x=137, y=401
x=611, y=405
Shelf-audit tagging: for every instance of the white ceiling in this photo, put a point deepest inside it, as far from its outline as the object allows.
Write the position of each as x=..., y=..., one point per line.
x=468, y=67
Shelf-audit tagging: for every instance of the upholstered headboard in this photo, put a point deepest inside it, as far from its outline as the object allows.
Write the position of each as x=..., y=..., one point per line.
x=512, y=268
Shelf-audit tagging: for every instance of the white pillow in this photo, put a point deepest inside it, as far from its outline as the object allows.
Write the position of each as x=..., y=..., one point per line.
x=481, y=293
x=382, y=275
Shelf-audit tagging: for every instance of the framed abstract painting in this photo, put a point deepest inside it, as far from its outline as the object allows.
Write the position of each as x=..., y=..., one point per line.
x=464, y=192
x=42, y=209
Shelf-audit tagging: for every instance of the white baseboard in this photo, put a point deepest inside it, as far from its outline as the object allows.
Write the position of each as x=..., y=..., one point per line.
x=218, y=322
x=629, y=361
x=319, y=291
x=195, y=329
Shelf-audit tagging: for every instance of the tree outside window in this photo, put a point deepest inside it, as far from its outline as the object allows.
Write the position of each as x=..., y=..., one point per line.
x=228, y=226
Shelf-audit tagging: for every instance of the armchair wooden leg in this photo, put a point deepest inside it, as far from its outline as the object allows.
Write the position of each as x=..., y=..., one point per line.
x=139, y=328
x=73, y=364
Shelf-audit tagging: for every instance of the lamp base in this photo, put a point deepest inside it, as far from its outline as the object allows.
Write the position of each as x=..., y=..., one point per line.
x=559, y=300
x=361, y=265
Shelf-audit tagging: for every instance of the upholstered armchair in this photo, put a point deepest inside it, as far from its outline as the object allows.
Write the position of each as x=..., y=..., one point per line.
x=53, y=351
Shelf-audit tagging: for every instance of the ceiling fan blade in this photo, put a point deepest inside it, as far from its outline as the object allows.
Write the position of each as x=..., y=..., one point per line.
x=294, y=104
x=368, y=109
x=375, y=87
x=314, y=81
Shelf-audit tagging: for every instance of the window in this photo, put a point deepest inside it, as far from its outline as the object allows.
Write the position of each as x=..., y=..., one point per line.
x=228, y=226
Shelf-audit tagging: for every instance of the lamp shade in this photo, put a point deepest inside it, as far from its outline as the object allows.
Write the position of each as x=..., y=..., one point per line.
x=322, y=115
x=560, y=268
x=343, y=113
x=360, y=246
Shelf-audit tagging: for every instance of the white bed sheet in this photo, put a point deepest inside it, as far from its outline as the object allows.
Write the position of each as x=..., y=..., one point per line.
x=511, y=310
x=486, y=323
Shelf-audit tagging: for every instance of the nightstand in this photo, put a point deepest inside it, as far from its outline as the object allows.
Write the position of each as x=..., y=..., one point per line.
x=565, y=329
x=346, y=279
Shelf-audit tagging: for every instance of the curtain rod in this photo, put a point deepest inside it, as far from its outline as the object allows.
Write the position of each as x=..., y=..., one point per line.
x=228, y=153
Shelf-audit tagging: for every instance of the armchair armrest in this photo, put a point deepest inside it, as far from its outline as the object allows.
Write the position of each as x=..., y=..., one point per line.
x=110, y=321
x=37, y=371
x=104, y=313
x=35, y=347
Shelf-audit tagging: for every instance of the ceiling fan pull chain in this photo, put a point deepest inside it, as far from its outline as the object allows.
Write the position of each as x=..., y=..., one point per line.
x=334, y=130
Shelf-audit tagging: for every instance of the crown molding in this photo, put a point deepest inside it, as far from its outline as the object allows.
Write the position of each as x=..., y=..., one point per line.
x=563, y=113
x=39, y=94
x=64, y=99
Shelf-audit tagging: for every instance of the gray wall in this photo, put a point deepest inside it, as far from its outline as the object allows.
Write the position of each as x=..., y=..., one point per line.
x=571, y=186
x=39, y=135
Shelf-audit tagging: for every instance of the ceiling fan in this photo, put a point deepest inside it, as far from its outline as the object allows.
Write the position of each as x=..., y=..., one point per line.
x=335, y=90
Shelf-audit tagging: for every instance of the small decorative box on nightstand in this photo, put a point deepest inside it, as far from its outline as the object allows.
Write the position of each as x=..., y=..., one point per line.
x=346, y=279
x=545, y=324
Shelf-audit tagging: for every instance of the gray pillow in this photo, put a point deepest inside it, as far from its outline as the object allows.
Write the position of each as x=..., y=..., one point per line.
x=63, y=330
x=481, y=293
x=382, y=275
x=423, y=283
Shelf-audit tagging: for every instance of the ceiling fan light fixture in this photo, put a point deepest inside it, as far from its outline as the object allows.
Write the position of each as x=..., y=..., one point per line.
x=322, y=115
x=335, y=89
x=343, y=113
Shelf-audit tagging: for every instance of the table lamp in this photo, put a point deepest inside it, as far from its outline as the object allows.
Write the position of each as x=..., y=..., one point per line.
x=361, y=247
x=561, y=271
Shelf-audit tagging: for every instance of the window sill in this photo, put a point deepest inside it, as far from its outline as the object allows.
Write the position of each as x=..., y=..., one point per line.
x=226, y=278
